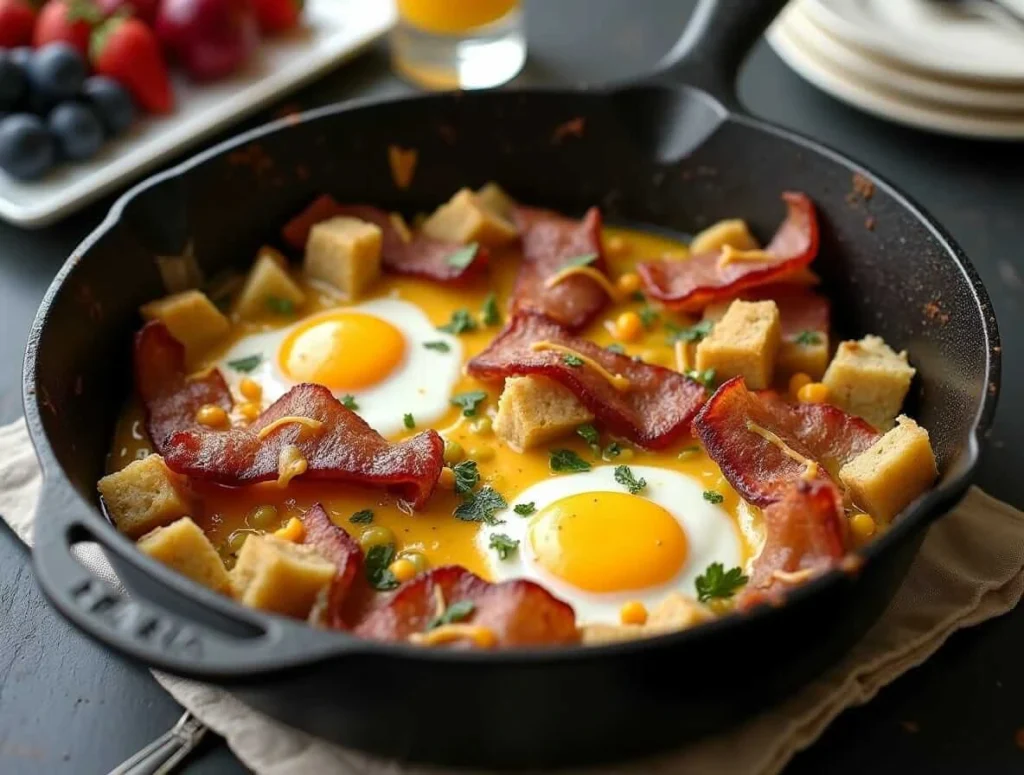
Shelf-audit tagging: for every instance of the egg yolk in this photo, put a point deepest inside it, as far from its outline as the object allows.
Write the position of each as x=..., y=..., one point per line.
x=608, y=541
x=343, y=351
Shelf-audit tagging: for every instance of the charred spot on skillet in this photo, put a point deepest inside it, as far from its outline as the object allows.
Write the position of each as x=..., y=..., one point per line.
x=574, y=127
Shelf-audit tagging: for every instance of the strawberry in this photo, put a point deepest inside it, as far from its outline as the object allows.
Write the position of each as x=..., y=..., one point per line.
x=144, y=9
x=277, y=15
x=17, y=20
x=67, y=21
x=126, y=50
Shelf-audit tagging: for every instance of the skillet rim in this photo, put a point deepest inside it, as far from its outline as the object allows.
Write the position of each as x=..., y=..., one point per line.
x=935, y=504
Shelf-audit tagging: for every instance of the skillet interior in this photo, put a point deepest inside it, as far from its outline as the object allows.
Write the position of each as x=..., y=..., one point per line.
x=900, y=279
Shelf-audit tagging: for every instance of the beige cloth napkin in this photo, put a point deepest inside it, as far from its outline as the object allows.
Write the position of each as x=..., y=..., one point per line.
x=970, y=568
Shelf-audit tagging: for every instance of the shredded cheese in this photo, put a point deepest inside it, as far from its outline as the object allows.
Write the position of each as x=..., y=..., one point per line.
x=439, y=605
x=810, y=472
x=786, y=449
x=587, y=271
x=617, y=381
x=309, y=426
x=793, y=577
x=682, y=351
x=731, y=254
x=290, y=463
x=398, y=222
x=447, y=633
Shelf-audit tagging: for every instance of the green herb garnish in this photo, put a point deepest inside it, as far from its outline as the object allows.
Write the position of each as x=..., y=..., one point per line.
x=804, y=338
x=717, y=582
x=461, y=322
x=246, y=364
x=467, y=477
x=438, y=346
x=615, y=347
x=524, y=509
x=469, y=401
x=613, y=450
x=456, y=612
x=279, y=305
x=567, y=461
x=648, y=316
x=583, y=259
x=574, y=361
x=712, y=496
x=706, y=377
x=349, y=402
x=463, y=257
x=364, y=517
x=638, y=296
x=481, y=506
x=409, y=421
x=694, y=333
x=588, y=433
x=503, y=545
x=378, y=558
x=489, y=314
x=624, y=476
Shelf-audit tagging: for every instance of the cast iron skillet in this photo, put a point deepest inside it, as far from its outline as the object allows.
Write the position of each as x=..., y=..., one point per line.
x=658, y=153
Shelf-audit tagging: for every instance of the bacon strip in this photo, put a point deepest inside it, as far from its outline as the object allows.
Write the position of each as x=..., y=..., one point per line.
x=691, y=284
x=757, y=468
x=518, y=612
x=550, y=242
x=421, y=256
x=344, y=449
x=655, y=410
x=338, y=547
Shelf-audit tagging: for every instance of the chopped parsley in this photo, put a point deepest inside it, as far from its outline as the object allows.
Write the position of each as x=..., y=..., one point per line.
x=612, y=450
x=378, y=558
x=525, y=509
x=246, y=364
x=706, y=377
x=615, y=347
x=489, y=315
x=279, y=305
x=409, y=421
x=694, y=333
x=456, y=612
x=467, y=477
x=567, y=461
x=638, y=296
x=572, y=360
x=583, y=259
x=713, y=496
x=625, y=476
x=588, y=433
x=481, y=506
x=460, y=323
x=469, y=401
x=364, y=517
x=688, y=452
x=503, y=545
x=349, y=402
x=438, y=346
x=463, y=257
x=717, y=582
x=804, y=337
x=648, y=316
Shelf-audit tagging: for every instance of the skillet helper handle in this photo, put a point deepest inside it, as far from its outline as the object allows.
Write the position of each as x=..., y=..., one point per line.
x=213, y=639
x=716, y=40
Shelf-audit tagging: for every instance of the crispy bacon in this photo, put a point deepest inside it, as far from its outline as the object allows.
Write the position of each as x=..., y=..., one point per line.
x=518, y=612
x=550, y=242
x=758, y=469
x=338, y=547
x=691, y=284
x=805, y=536
x=654, y=411
x=343, y=449
x=421, y=256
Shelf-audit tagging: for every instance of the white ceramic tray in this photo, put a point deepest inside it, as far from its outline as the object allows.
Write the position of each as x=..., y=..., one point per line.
x=333, y=30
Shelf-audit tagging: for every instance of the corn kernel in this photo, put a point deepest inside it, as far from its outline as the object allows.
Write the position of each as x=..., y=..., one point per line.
x=250, y=411
x=481, y=454
x=447, y=478
x=418, y=559
x=402, y=569
x=293, y=531
x=633, y=612
x=628, y=282
x=262, y=517
x=813, y=393
x=628, y=327
x=250, y=389
x=481, y=426
x=453, y=452
x=615, y=245
x=797, y=381
x=212, y=416
x=862, y=526
x=377, y=535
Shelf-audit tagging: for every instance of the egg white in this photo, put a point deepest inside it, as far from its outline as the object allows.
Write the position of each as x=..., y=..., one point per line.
x=420, y=385
x=711, y=534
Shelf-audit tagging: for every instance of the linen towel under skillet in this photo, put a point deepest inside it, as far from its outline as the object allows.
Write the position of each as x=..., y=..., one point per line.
x=970, y=568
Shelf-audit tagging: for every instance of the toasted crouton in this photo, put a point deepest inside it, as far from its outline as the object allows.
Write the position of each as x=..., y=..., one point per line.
x=535, y=410
x=492, y=197
x=191, y=318
x=745, y=342
x=345, y=253
x=183, y=546
x=144, y=495
x=276, y=575
x=267, y=286
x=868, y=379
x=732, y=232
x=464, y=219
x=676, y=612
x=893, y=471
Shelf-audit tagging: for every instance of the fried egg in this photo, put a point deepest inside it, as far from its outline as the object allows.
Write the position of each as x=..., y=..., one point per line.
x=374, y=352
x=597, y=546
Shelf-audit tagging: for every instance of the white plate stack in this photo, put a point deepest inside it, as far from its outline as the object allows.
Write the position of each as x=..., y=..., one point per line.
x=956, y=68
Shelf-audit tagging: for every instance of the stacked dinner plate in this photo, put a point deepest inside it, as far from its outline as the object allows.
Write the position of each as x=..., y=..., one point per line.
x=952, y=67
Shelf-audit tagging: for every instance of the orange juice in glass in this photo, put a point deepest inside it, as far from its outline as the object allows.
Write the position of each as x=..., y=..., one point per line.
x=458, y=44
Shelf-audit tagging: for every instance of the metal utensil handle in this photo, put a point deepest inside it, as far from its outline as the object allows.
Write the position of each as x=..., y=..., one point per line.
x=166, y=752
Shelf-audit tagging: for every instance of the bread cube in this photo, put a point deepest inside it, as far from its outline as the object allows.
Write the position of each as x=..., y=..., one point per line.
x=796, y=355
x=463, y=219
x=184, y=547
x=144, y=495
x=732, y=232
x=268, y=285
x=868, y=379
x=535, y=410
x=191, y=318
x=276, y=575
x=345, y=253
x=676, y=612
x=492, y=197
x=892, y=472
x=745, y=342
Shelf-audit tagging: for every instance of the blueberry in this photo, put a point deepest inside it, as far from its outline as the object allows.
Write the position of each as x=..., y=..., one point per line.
x=56, y=73
x=27, y=150
x=111, y=102
x=12, y=81
x=77, y=130
x=21, y=56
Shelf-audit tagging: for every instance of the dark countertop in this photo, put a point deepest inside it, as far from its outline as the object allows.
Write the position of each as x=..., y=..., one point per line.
x=66, y=706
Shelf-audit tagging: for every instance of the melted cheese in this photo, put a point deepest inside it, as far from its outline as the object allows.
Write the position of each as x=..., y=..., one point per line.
x=309, y=426
x=617, y=381
x=587, y=271
x=774, y=439
x=290, y=463
x=684, y=362
x=731, y=254
x=448, y=633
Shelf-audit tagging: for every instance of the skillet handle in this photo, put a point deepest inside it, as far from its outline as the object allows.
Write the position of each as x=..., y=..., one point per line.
x=168, y=622
x=716, y=40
